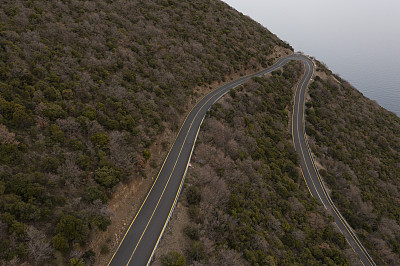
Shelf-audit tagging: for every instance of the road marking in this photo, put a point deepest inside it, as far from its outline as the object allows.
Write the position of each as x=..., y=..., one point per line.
x=294, y=143
x=159, y=172
x=348, y=242
x=231, y=85
x=306, y=182
x=346, y=226
x=298, y=135
x=169, y=178
x=177, y=194
x=349, y=230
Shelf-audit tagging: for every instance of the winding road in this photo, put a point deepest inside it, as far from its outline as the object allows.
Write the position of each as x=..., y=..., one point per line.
x=141, y=238
x=309, y=170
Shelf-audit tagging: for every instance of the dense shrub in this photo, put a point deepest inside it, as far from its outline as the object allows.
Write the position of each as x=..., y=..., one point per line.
x=107, y=176
x=356, y=142
x=88, y=86
x=247, y=202
x=173, y=259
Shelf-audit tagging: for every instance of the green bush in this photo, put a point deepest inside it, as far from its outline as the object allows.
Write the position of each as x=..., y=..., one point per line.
x=107, y=176
x=100, y=139
x=84, y=162
x=60, y=242
x=146, y=154
x=76, y=262
x=191, y=232
x=193, y=195
x=90, y=112
x=76, y=145
x=173, y=258
x=54, y=111
x=10, y=154
x=194, y=214
x=93, y=193
x=50, y=164
x=100, y=221
x=196, y=251
x=104, y=249
x=72, y=228
x=56, y=134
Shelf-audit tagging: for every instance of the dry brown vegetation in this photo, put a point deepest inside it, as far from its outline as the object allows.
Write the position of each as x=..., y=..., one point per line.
x=246, y=199
x=357, y=142
x=86, y=88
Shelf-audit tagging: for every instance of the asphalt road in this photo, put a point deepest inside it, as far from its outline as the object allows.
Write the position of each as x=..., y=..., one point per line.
x=309, y=170
x=144, y=232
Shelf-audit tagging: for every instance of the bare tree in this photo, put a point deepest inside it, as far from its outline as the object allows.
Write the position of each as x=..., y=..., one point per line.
x=38, y=245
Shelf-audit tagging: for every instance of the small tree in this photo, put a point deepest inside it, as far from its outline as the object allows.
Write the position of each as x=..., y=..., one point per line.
x=173, y=258
x=107, y=176
x=75, y=262
x=100, y=139
x=72, y=228
x=60, y=242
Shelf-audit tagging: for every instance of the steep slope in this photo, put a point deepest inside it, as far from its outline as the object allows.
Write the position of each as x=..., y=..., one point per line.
x=357, y=144
x=86, y=87
x=246, y=200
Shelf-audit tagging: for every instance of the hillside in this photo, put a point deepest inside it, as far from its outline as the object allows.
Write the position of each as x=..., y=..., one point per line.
x=245, y=204
x=90, y=94
x=357, y=144
x=245, y=198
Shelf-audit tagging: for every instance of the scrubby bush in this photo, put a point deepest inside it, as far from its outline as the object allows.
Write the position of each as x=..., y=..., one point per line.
x=107, y=176
x=245, y=195
x=81, y=106
x=173, y=259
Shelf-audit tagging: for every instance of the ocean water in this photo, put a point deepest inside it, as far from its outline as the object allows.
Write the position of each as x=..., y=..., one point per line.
x=358, y=40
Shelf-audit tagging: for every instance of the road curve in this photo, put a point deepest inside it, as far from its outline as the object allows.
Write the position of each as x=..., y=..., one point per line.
x=309, y=170
x=144, y=232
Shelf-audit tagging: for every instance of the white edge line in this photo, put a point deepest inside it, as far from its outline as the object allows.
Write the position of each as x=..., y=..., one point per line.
x=194, y=143
x=191, y=152
x=329, y=197
x=179, y=192
x=184, y=175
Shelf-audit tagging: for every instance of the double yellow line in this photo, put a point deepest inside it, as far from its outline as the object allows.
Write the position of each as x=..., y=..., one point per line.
x=234, y=84
x=346, y=226
x=298, y=136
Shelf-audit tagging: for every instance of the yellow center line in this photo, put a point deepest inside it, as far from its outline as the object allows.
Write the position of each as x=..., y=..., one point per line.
x=169, y=178
x=177, y=194
x=301, y=148
x=234, y=84
x=339, y=216
x=162, y=166
x=330, y=203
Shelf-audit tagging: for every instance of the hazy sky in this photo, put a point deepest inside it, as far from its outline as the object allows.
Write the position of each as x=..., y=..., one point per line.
x=358, y=39
x=309, y=20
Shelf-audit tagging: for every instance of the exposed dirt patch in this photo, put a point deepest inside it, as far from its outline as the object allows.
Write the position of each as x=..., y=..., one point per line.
x=325, y=76
x=321, y=74
x=280, y=51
